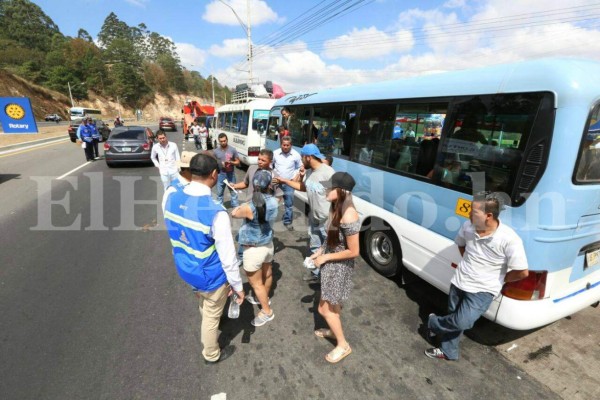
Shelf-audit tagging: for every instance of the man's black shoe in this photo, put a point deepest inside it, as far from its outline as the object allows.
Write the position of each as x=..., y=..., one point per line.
x=226, y=352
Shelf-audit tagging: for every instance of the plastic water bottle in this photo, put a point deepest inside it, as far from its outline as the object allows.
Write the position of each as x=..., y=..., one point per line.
x=234, y=307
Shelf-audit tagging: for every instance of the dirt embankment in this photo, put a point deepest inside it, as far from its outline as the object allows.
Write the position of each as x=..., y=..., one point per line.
x=45, y=101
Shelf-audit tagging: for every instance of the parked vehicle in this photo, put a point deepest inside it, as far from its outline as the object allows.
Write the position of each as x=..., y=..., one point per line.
x=128, y=144
x=167, y=123
x=102, y=127
x=53, y=117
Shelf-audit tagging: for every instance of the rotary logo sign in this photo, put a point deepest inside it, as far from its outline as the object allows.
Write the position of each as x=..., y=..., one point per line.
x=16, y=115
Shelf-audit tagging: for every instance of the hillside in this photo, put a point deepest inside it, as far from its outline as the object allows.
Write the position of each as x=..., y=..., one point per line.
x=45, y=101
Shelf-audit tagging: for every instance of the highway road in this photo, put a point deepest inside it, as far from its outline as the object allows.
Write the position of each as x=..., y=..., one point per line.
x=92, y=308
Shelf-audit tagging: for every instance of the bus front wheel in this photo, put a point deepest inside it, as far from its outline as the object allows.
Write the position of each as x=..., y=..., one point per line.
x=382, y=250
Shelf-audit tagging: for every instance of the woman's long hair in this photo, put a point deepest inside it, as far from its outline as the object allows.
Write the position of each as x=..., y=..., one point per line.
x=338, y=206
x=258, y=199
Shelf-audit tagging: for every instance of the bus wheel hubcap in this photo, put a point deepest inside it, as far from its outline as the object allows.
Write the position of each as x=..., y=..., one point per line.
x=381, y=248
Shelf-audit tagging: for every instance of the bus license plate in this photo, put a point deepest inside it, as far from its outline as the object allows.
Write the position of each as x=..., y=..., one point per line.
x=592, y=258
x=126, y=149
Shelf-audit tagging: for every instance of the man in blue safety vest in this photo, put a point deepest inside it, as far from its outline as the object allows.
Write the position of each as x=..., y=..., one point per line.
x=203, y=250
x=84, y=134
x=95, y=137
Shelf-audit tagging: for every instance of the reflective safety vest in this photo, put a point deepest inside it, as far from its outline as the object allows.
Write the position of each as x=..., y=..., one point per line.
x=86, y=133
x=95, y=133
x=189, y=220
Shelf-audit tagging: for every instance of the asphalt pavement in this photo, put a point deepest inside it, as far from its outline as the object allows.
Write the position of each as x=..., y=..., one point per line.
x=92, y=307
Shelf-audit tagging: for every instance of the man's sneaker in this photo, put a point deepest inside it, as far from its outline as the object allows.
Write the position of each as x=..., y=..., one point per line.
x=253, y=300
x=310, y=278
x=262, y=318
x=435, y=352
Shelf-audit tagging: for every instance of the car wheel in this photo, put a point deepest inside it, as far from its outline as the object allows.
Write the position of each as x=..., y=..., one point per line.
x=382, y=249
x=110, y=165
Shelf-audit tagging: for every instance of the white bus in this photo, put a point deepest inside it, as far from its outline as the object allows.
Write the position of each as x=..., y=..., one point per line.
x=78, y=113
x=419, y=149
x=244, y=122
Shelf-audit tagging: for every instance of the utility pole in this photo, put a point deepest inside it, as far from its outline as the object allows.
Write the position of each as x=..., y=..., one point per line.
x=70, y=94
x=248, y=31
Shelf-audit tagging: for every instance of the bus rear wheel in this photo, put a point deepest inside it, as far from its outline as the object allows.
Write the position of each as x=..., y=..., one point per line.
x=382, y=251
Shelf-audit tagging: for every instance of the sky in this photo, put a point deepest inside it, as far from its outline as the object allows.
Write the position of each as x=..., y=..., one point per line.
x=316, y=44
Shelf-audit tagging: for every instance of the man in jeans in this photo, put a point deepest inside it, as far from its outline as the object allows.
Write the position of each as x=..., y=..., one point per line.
x=312, y=172
x=493, y=254
x=286, y=164
x=227, y=158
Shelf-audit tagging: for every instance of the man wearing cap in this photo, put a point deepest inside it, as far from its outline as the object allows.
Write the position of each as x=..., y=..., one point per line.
x=203, y=250
x=185, y=175
x=312, y=172
x=95, y=137
x=165, y=157
x=84, y=134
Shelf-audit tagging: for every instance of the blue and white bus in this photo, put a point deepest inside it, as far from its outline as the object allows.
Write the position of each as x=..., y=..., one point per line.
x=419, y=149
x=244, y=121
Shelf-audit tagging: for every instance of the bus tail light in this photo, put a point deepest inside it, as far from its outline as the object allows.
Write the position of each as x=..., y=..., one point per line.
x=531, y=288
x=253, y=151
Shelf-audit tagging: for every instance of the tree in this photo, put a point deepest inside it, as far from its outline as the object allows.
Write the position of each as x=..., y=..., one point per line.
x=83, y=34
x=26, y=24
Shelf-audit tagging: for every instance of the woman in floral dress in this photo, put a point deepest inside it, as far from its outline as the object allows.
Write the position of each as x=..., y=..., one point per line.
x=336, y=260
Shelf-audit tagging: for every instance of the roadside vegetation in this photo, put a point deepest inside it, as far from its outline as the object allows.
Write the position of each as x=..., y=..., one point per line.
x=129, y=62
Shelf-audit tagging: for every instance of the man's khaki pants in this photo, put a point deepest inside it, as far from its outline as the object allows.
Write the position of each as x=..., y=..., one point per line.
x=211, y=307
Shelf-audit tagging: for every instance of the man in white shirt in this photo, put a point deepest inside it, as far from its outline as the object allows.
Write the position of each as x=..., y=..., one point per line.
x=286, y=164
x=203, y=250
x=165, y=157
x=195, y=130
x=493, y=254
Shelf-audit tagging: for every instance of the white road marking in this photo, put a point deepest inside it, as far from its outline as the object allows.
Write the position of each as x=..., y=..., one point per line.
x=73, y=170
x=50, y=142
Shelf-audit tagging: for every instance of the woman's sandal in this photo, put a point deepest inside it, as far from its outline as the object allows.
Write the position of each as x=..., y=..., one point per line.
x=324, y=333
x=338, y=354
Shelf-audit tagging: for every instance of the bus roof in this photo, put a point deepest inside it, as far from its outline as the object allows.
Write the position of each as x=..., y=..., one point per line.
x=574, y=78
x=265, y=104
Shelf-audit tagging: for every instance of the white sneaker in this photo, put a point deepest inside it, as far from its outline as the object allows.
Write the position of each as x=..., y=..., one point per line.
x=253, y=300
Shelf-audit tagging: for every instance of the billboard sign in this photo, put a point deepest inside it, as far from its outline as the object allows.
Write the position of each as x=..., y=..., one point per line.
x=16, y=115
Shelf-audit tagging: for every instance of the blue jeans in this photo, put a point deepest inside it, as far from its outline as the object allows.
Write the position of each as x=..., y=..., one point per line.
x=288, y=202
x=230, y=176
x=464, y=310
x=317, y=235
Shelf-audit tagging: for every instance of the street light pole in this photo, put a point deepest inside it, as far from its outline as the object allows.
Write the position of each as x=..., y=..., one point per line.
x=248, y=32
x=70, y=94
x=119, y=103
x=212, y=79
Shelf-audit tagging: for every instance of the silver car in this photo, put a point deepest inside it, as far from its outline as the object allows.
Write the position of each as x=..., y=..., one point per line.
x=128, y=144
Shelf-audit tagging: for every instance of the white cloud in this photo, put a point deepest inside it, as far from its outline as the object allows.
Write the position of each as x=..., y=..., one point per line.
x=260, y=13
x=441, y=39
x=138, y=3
x=371, y=43
x=230, y=48
x=191, y=57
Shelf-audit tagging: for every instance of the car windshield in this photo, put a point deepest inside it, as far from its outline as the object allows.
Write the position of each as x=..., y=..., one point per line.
x=167, y=120
x=130, y=134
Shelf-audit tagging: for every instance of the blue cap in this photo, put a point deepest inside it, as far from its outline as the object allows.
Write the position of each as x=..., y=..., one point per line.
x=311, y=150
x=261, y=179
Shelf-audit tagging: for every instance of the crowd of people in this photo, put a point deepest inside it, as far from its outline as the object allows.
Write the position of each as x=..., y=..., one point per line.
x=207, y=257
